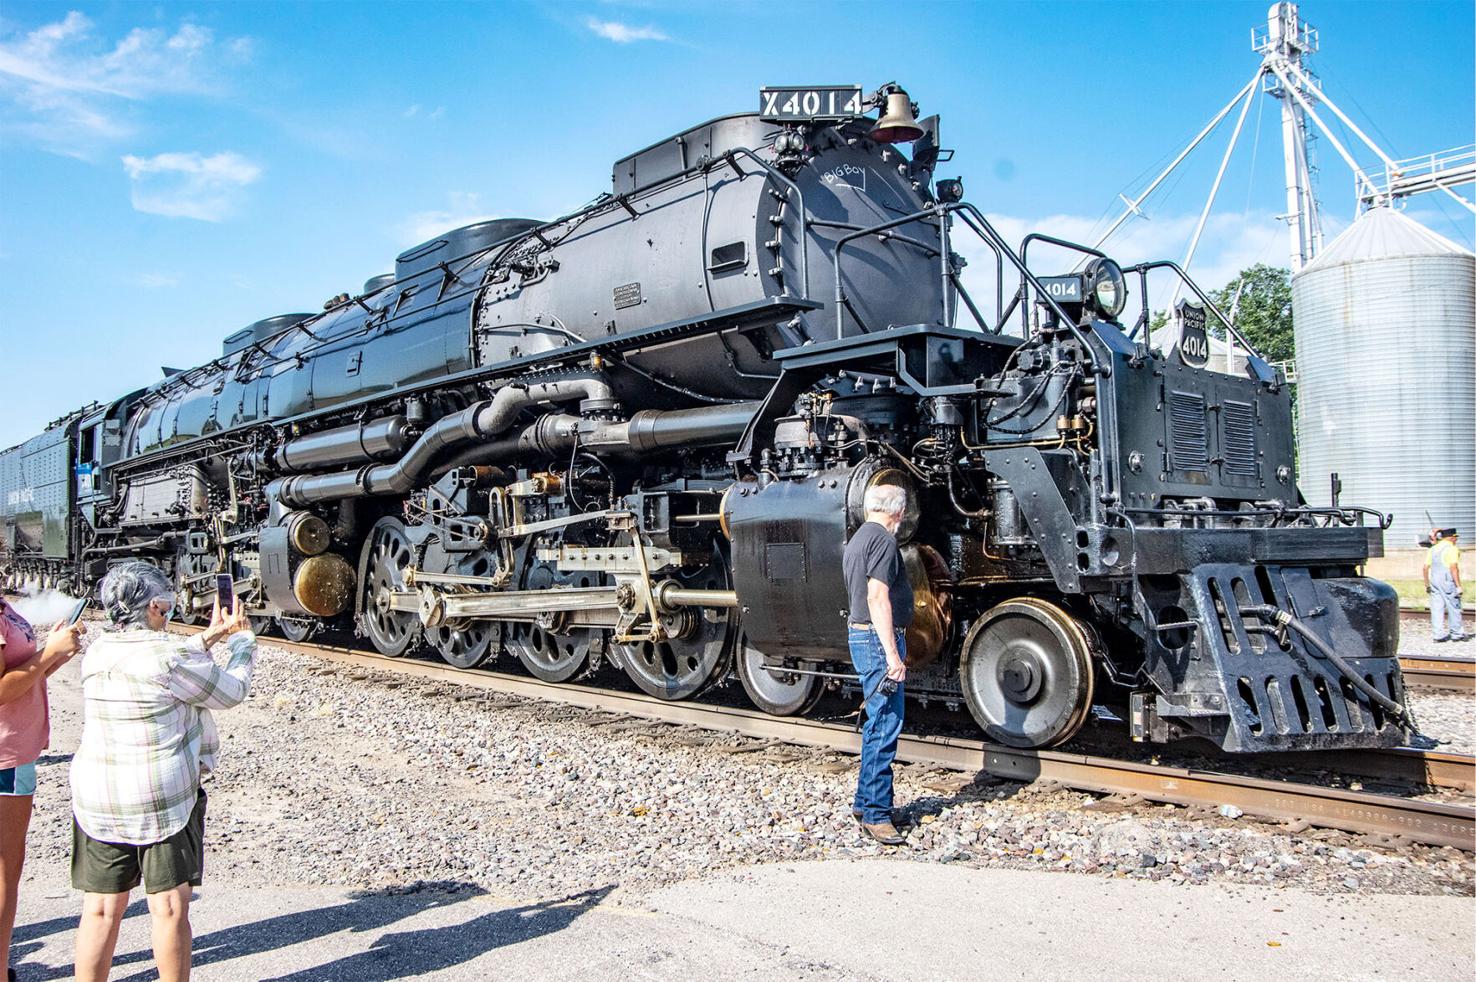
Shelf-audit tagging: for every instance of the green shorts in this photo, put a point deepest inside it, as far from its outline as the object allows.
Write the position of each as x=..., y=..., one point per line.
x=108, y=867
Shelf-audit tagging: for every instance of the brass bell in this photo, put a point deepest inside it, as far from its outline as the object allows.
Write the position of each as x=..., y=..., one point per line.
x=897, y=124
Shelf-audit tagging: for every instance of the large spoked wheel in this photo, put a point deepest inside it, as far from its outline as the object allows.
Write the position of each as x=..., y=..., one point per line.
x=186, y=568
x=549, y=650
x=462, y=644
x=699, y=646
x=1026, y=673
x=776, y=692
x=387, y=554
x=548, y=655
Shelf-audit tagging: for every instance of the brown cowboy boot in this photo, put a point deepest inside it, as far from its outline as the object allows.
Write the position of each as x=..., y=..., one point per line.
x=884, y=832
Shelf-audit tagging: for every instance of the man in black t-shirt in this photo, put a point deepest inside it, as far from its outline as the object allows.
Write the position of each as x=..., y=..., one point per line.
x=881, y=610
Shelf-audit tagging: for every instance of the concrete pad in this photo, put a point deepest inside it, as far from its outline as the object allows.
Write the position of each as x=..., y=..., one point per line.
x=824, y=920
x=319, y=934
x=906, y=920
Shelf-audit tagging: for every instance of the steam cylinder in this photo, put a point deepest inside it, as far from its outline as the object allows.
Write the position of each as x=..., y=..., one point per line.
x=1386, y=374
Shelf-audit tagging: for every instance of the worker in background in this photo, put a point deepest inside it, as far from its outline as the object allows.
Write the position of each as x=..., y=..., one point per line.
x=881, y=610
x=1443, y=582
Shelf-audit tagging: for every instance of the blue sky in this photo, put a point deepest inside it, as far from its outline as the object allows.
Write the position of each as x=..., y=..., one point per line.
x=170, y=172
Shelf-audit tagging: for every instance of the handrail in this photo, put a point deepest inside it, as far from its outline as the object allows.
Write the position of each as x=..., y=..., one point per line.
x=840, y=296
x=991, y=237
x=1143, y=268
x=1021, y=294
x=998, y=282
x=804, y=232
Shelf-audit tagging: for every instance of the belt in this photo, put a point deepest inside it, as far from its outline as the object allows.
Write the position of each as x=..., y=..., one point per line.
x=872, y=627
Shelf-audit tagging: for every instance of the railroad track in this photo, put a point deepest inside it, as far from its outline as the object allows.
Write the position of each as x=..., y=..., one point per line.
x=1428, y=822
x=1434, y=672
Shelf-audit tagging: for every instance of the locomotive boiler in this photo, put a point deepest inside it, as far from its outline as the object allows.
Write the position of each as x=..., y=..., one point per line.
x=639, y=436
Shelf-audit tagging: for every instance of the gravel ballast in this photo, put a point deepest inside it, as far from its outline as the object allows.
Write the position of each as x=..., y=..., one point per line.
x=362, y=778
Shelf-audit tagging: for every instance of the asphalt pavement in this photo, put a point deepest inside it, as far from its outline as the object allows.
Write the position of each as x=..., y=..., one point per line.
x=835, y=919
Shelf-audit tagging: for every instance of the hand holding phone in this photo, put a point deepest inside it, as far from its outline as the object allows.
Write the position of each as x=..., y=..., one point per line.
x=225, y=591
x=229, y=616
x=76, y=614
x=65, y=640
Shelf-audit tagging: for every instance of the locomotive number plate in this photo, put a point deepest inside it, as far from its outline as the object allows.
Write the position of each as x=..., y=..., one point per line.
x=798, y=105
x=1193, y=338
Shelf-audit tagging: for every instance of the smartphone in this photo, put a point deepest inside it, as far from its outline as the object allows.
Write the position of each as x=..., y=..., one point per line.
x=77, y=612
x=225, y=586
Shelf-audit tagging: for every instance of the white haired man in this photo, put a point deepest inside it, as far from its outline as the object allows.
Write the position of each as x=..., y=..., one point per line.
x=880, y=612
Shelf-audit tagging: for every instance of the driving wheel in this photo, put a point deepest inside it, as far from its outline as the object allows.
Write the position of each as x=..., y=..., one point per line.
x=699, y=644
x=187, y=567
x=1026, y=672
x=461, y=643
x=387, y=554
x=548, y=649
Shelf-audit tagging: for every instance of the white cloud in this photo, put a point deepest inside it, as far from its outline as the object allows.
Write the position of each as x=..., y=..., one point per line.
x=66, y=89
x=614, y=30
x=411, y=111
x=190, y=185
x=465, y=208
x=157, y=281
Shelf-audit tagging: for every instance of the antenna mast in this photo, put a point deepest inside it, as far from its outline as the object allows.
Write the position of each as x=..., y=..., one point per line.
x=1285, y=42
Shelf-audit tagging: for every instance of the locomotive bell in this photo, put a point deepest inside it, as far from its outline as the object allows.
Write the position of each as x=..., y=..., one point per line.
x=897, y=124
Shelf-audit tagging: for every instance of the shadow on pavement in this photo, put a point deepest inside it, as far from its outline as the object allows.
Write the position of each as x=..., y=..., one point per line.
x=365, y=911
x=396, y=956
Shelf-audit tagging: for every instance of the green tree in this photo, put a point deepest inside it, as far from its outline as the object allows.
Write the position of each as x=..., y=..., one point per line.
x=1264, y=315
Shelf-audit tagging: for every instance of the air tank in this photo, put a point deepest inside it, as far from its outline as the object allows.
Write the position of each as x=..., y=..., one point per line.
x=1386, y=374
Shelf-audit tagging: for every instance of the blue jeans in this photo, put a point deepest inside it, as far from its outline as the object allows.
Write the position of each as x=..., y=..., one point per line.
x=883, y=725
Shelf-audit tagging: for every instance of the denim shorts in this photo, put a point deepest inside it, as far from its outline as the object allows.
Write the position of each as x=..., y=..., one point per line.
x=17, y=782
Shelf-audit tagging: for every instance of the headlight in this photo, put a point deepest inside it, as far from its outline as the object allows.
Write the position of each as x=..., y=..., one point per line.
x=1107, y=287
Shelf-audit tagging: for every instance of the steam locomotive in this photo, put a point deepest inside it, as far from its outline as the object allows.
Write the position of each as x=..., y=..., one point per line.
x=639, y=436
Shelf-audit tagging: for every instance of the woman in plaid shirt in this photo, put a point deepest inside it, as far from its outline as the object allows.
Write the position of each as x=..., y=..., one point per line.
x=148, y=737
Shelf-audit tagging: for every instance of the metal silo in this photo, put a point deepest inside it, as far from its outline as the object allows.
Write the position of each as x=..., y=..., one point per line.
x=1386, y=373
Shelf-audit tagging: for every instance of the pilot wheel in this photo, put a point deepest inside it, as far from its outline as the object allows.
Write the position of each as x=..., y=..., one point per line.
x=1026, y=672
x=774, y=690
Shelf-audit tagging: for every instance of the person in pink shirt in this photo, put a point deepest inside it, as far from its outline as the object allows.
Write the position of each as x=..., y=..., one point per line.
x=24, y=730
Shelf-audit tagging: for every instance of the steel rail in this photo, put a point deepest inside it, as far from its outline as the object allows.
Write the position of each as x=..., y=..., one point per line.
x=1432, y=823
x=1434, y=672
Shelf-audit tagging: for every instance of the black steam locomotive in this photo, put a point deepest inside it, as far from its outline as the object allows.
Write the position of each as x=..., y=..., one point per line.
x=640, y=435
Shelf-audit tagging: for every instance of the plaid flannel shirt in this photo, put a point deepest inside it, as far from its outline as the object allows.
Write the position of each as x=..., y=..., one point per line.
x=148, y=735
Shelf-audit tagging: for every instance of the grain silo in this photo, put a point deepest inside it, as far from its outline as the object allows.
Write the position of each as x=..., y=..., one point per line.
x=1385, y=321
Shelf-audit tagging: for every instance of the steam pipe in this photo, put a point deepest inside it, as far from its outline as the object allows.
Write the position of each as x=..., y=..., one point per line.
x=488, y=418
x=357, y=443
x=647, y=431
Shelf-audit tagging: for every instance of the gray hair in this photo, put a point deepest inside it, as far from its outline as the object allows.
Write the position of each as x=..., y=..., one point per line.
x=129, y=588
x=888, y=499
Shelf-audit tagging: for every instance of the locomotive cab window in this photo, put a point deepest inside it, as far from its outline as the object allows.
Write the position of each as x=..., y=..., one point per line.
x=87, y=444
